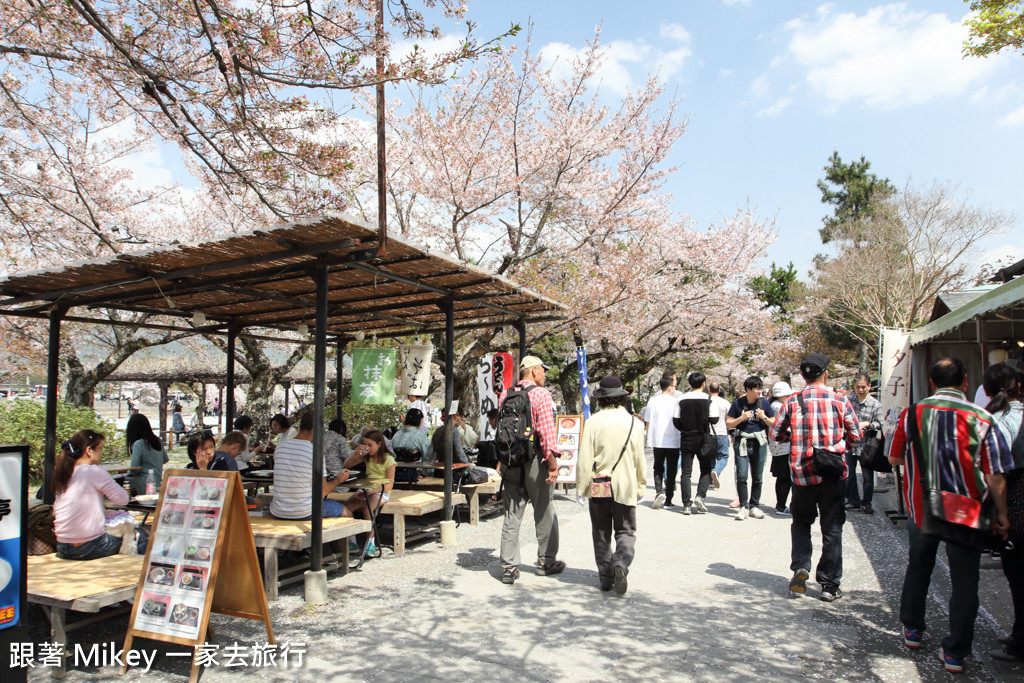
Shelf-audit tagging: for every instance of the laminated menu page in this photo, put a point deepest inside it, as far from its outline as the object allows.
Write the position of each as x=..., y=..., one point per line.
x=568, y=430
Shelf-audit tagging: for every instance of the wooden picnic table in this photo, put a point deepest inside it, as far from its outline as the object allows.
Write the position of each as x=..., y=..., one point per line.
x=113, y=468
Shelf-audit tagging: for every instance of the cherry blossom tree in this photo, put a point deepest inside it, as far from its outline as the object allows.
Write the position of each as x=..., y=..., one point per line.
x=535, y=176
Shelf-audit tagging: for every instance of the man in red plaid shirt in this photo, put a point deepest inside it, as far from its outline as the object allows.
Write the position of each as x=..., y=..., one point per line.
x=534, y=482
x=817, y=417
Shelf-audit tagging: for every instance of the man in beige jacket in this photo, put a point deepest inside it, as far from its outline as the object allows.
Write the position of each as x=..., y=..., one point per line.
x=611, y=460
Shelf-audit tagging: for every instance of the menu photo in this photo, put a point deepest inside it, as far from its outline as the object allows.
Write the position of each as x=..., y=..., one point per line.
x=179, y=489
x=160, y=574
x=183, y=618
x=193, y=578
x=204, y=520
x=154, y=608
x=172, y=516
x=209, y=493
x=199, y=549
x=167, y=547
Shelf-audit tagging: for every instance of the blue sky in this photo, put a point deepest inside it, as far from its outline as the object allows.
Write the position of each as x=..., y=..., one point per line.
x=771, y=88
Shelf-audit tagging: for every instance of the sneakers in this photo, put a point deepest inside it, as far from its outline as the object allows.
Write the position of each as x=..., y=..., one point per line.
x=911, y=638
x=742, y=514
x=798, y=584
x=1003, y=655
x=659, y=501
x=851, y=506
x=783, y=513
x=698, y=503
x=550, y=568
x=371, y=550
x=714, y=480
x=868, y=510
x=620, y=580
x=756, y=513
x=509, y=575
x=830, y=593
x=687, y=510
x=353, y=547
x=954, y=665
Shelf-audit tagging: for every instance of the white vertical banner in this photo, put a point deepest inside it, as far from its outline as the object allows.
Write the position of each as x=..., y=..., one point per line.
x=485, y=390
x=894, y=381
x=415, y=362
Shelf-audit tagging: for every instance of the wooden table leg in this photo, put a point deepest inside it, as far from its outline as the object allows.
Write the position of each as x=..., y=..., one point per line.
x=270, y=573
x=474, y=508
x=58, y=634
x=399, y=534
x=344, y=557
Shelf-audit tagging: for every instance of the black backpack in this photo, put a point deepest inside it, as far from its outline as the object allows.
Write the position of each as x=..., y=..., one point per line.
x=514, y=437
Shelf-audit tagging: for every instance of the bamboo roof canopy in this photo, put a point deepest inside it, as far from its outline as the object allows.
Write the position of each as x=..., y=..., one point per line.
x=265, y=279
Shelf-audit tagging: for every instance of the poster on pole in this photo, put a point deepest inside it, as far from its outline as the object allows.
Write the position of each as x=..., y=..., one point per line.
x=894, y=378
x=201, y=559
x=373, y=376
x=494, y=374
x=568, y=430
x=13, y=503
x=415, y=363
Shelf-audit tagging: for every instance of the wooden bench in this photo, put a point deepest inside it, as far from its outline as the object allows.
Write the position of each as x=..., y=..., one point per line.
x=80, y=586
x=405, y=503
x=472, y=492
x=274, y=534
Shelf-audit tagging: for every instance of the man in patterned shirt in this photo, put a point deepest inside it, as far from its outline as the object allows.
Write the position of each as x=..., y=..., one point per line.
x=533, y=483
x=963, y=454
x=816, y=417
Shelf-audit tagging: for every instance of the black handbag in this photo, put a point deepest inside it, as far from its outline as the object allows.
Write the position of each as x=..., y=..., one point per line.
x=956, y=519
x=872, y=452
x=826, y=464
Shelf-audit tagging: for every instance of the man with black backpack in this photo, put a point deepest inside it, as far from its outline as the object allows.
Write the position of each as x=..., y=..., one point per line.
x=695, y=413
x=527, y=450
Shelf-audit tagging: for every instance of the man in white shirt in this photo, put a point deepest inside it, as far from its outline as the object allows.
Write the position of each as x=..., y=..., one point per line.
x=663, y=438
x=293, y=475
x=721, y=432
x=419, y=404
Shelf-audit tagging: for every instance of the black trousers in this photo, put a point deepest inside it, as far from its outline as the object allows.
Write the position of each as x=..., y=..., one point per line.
x=808, y=502
x=689, y=448
x=666, y=464
x=608, y=517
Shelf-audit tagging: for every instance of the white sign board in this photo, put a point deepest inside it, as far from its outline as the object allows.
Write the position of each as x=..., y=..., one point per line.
x=894, y=381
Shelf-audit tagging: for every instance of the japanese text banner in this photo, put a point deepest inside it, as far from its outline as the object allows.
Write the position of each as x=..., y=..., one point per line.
x=894, y=379
x=373, y=376
x=415, y=362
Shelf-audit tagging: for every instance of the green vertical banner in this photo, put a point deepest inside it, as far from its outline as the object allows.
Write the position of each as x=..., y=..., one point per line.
x=373, y=376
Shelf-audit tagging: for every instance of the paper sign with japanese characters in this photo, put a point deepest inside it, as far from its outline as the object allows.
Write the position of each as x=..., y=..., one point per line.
x=494, y=374
x=373, y=376
x=894, y=383
x=415, y=363
x=12, y=496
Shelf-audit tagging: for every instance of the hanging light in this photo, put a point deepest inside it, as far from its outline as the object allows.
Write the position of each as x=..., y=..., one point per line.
x=303, y=329
x=360, y=336
x=198, y=318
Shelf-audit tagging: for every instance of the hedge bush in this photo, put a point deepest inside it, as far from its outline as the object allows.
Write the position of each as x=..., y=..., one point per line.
x=24, y=422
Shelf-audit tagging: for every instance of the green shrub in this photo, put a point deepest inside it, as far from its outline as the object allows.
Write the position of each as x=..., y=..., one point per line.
x=24, y=422
x=355, y=416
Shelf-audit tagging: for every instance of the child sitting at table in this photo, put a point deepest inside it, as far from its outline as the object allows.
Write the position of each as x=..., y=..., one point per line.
x=80, y=485
x=379, y=465
x=225, y=457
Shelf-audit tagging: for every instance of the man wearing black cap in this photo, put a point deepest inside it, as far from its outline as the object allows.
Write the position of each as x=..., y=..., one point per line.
x=817, y=418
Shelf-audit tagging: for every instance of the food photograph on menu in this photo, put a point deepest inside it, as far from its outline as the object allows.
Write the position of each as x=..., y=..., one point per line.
x=192, y=578
x=167, y=546
x=154, y=607
x=203, y=519
x=179, y=488
x=209, y=493
x=196, y=550
x=161, y=574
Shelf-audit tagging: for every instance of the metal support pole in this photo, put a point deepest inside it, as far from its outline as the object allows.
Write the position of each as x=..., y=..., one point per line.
x=287, y=390
x=229, y=405
x=319, y=396
x=52, y=375
x=521, y=328
x=449, y=395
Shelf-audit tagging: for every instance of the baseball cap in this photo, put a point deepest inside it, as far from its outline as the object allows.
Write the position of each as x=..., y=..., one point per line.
x=532, y=361
x=814, y=364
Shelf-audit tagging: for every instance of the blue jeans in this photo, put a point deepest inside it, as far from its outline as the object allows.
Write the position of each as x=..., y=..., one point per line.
x=331, y=508
x=749, y=462
x=723, y=454
x=868, y=477
x=101, y=546
x=964, y=569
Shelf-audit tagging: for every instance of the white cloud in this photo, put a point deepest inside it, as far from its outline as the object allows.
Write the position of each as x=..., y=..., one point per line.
x=623, y=58
x=725, y=73
x=776, y=108
x=760, y=88
x=889, y=57
x=745, y=3
x=1014, y=118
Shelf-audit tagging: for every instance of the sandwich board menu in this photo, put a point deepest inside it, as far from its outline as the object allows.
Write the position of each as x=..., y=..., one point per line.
x=201, y=559
x=568, y=429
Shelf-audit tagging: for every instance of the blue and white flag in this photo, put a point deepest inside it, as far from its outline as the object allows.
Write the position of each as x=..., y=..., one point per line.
x=581, y=366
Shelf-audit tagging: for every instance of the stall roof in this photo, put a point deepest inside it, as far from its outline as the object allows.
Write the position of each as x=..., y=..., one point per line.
x=950, y=301
x=264, y=279
x=1001, y=311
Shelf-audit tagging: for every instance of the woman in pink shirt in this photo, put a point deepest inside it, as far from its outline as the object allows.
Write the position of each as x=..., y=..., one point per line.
x=80, y=485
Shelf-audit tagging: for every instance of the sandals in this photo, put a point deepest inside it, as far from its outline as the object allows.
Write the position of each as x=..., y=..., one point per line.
x=509, y=575
x=550, y=568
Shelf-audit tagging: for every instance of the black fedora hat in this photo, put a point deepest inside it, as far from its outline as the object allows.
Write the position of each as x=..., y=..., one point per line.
x=610, y=387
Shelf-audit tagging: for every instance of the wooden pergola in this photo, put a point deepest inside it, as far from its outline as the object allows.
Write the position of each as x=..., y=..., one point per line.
x=321, y=273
